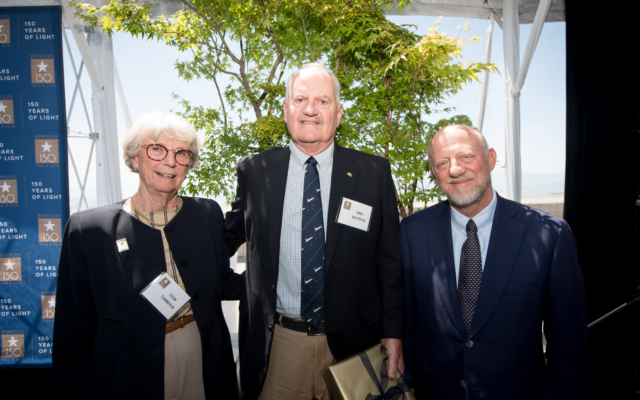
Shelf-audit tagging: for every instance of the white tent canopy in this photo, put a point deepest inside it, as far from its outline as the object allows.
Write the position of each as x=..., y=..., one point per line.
x=478, y=9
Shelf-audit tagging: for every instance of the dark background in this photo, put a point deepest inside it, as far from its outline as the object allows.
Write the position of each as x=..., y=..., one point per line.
x=602, y=184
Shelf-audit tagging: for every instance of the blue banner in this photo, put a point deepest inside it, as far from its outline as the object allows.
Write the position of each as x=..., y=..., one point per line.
x=34, y=187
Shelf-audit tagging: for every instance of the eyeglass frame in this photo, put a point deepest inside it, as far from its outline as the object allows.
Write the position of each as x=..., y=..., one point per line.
x=146, y=146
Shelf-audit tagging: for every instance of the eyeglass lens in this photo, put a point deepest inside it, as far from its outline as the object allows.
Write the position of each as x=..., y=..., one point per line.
x=158, y=153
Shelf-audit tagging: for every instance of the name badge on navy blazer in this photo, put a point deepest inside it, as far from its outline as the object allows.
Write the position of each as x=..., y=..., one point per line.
x=354, y=214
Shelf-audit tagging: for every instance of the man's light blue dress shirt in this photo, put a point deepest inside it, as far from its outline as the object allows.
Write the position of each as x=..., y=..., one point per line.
x=289, y=274
x=484, y=222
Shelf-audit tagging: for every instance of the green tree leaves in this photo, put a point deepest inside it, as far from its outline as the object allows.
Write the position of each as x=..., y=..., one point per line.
x=391, y=78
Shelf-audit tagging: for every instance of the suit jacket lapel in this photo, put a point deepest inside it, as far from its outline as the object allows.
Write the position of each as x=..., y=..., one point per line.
x=129, y=259
x=440, y=244
x=141, y=263
x=504, y=246
x=137, y=267
x=342, y=185
x=275, y=186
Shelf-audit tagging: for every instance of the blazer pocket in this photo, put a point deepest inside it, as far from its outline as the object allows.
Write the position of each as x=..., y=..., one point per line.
x=373, y=314
x=523, y=287
x=523, y=290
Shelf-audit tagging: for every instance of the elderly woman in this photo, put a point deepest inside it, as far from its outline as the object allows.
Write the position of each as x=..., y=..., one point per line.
x=109, y=340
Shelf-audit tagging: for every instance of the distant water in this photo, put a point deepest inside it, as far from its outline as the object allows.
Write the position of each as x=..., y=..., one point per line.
x=533, y=185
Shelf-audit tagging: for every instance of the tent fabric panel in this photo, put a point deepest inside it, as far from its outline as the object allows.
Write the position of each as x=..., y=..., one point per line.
x=473, y=9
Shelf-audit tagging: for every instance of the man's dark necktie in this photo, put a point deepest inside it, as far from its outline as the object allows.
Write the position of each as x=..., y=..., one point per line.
x=312, y=256
x=470, y=274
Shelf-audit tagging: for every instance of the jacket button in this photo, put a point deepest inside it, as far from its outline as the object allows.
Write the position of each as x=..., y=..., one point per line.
x=270, y=328
x=469, y=343
x=273, y=287
x=464, y=385
x=195, y=297
x=183, y=263
x=204, y=328
x=168, y=228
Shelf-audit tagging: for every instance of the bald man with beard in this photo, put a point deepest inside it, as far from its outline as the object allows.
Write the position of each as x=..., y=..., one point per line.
x=482, y=276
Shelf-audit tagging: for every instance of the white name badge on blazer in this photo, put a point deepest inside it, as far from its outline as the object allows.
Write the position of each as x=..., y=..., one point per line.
x=165, y=295
x=354, y=214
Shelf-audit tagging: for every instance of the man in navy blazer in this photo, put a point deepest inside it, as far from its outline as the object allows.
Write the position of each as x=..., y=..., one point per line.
x=530, y=280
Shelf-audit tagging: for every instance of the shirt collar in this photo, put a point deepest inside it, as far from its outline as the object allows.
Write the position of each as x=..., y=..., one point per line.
x=324, y=159
x=483, y=220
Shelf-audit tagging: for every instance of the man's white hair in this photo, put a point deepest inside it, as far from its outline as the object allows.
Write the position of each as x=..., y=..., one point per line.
x=314, y=66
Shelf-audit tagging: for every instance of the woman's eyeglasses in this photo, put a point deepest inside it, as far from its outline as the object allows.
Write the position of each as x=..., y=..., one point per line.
x=158, y=152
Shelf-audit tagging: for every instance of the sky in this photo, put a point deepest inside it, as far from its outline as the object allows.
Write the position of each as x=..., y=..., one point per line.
x=149, y=79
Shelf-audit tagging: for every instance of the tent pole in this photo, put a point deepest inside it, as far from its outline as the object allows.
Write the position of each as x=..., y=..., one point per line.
x=511, y=29
x=83, y=46
x=86, y=173
x=73, y=164
x=104, y=117
x=120, y=91
x=485, y=79
x=534, y=36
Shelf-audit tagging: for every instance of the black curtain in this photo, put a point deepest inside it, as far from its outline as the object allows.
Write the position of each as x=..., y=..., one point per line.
x=602, y=181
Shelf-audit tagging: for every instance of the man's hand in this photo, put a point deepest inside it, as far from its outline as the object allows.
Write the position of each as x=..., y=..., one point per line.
x=396, y=359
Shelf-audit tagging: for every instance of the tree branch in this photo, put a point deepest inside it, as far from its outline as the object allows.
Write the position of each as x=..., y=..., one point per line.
x=213, y=76
x=215, y=27
x=281, y=72
x=403, y=212
x=337, y=68
x=275, y=64
x=304, y=29
x=206, y=44
x=413, y=198
x=247, y=87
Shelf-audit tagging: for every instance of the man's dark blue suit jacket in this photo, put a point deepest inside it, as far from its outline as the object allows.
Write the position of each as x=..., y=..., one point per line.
x=531, y=276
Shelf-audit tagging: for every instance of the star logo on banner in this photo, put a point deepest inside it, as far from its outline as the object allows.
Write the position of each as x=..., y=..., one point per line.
x=49, y=226
x=42, y=66
x=47, y=147
x=2, y=108
x=9, y=265
x=52, y=303
x=12, y=342
x=5, y=187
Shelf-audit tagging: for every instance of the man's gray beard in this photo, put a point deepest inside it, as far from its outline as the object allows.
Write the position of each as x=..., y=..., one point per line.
x=467, y=199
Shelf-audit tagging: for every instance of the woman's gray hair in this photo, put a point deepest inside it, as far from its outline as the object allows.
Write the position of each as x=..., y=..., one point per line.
x=154, y=124
x=318, y=66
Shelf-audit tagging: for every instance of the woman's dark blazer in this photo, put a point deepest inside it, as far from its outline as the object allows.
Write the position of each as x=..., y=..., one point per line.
x=108, y=341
